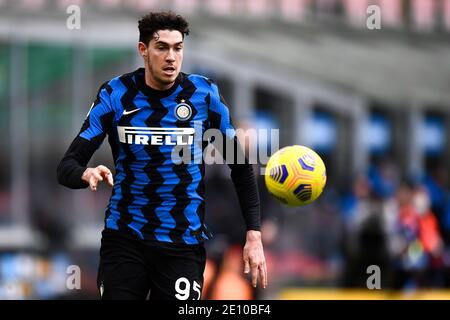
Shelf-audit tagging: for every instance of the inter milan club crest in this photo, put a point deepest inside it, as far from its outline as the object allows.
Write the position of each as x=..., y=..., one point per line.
x=183, y=111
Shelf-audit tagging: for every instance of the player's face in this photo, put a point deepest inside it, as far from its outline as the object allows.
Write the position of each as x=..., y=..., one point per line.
x=163, y=57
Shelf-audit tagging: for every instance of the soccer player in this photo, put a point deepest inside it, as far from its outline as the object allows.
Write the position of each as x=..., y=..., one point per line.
x=153, y=241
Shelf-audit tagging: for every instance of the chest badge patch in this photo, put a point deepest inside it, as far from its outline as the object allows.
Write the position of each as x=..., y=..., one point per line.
x=183, y=111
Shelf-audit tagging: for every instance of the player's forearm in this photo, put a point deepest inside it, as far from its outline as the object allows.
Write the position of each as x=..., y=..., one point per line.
x=69, y=174
x=73, y=164
x=247, y=190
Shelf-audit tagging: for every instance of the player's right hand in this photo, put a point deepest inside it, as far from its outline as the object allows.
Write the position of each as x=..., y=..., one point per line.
x=94, y=175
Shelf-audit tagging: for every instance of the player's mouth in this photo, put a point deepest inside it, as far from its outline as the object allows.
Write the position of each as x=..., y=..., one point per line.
x=169, y=70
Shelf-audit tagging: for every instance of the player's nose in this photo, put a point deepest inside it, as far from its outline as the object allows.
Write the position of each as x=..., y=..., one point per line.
x=170, y=56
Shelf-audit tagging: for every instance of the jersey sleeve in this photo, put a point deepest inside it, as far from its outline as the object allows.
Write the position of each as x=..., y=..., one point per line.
x=99, y=118
x=242, y=174
x=219, y=114
x=97, y=124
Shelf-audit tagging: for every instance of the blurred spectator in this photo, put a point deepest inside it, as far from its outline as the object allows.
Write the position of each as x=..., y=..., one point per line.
x=365, y=240
x=420, y=255
x=436, y=183
x=384, y=177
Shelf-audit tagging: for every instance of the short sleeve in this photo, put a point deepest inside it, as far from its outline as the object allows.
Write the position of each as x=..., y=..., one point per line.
x=99, y=118
x=219, y=114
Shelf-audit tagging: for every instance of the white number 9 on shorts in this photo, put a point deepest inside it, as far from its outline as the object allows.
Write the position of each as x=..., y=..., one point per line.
x=183, y=289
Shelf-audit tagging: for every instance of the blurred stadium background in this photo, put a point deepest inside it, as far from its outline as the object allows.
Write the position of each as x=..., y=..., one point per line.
x=375, y=104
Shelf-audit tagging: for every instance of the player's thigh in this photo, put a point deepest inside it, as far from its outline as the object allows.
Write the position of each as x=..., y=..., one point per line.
x=179, y=274
x=122, y=272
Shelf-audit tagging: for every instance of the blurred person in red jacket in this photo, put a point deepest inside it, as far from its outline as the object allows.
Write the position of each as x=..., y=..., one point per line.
x=422, y=245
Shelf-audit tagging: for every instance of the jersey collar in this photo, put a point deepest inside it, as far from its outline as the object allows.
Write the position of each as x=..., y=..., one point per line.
x=154, y=93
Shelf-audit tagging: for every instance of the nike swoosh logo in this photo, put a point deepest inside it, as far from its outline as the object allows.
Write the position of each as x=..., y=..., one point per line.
x=125, y=112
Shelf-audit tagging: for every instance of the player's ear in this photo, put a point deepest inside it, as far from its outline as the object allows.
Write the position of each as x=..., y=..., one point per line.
x=142, y=48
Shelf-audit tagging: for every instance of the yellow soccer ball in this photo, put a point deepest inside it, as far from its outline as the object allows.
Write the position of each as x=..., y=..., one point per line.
x=295, y=175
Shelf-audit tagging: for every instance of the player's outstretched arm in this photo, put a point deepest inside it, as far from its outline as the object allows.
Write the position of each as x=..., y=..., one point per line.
x=247, y=191
x=93, y=176
x=72, y=170
x=245, y=185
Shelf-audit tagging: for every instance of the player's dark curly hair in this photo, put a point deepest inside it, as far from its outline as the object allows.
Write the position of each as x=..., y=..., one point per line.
x=155, y=21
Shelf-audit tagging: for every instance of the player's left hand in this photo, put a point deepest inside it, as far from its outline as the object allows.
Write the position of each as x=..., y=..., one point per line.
x=254, y=260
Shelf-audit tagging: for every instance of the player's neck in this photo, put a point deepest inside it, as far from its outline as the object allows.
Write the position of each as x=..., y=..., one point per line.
x=154, y=84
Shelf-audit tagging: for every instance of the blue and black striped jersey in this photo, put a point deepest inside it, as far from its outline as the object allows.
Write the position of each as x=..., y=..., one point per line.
x=155, y=196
